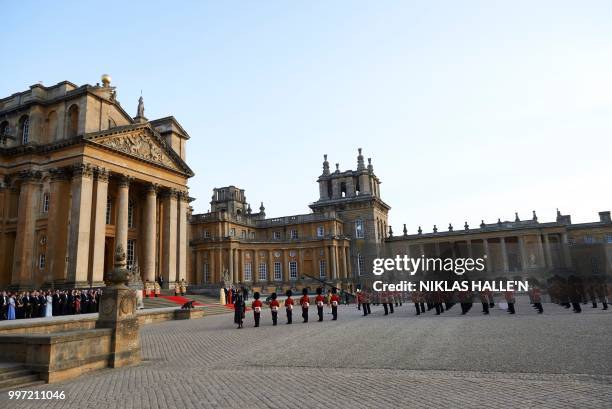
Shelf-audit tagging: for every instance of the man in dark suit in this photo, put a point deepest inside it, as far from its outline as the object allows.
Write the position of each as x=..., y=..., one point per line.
x=3, y=306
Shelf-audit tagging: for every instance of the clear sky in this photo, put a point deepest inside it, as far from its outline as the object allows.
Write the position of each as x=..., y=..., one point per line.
x=469, y=109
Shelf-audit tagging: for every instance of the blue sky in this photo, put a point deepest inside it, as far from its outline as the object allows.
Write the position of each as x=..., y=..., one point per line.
x=469, y=110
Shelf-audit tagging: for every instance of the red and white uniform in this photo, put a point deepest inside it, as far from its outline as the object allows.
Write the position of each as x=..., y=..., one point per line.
x=305, y=301
x=335, y=300
x=319, y=300
x=274, y=305
x=256, y=305
x=289, y=303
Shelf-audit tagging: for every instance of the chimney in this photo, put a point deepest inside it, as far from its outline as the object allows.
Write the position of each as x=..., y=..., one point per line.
x=604, y=217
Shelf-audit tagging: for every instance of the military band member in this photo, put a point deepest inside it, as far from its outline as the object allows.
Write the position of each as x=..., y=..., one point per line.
x=536, y=298
x=289, y=306
x=510, y=300
x=368, y=299
x=147, y=289
x=415, y=300
x=305, y=303
x=274, y=306
x=256, y=305
x=602, y=292
x=157, y=289
x=361, y=302
x=183, y=287
x=335, y=300
x=320, y=301
x=484, y=299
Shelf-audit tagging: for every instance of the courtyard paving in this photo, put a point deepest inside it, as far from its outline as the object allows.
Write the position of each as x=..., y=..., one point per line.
x=557, y=360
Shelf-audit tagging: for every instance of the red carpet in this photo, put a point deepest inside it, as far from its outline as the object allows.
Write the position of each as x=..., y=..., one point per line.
x=182, y=300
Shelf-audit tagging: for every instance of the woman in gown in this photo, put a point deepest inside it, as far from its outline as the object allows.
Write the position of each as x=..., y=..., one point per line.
x=49, y=306
x=239, y=308
x=11, y=308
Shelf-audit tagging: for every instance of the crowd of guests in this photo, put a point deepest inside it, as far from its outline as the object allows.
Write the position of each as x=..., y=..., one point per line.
x=49, y=303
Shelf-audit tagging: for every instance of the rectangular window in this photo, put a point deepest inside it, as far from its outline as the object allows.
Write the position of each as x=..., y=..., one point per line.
x=359, y=233
x=277, y=235
x=131, y=214
x=320, y=231
x=588, y=239
x=109, y=209
x=263, y=272
x=206, y=273
x=42, y=260
x=131, y=246
x=293, y=272
x=360, y=264
x=278, y=272
x=243, y=234
x=248, y=272
x=232, y=232
x=45, y=207
x=252, y=235
x=294, y=234
x=206, y=234
x=322, y=268
x=571, y=241
x=609, y=238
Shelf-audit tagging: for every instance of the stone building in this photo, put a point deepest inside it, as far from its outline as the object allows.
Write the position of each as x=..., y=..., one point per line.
x=79, y=177
x=338, y=240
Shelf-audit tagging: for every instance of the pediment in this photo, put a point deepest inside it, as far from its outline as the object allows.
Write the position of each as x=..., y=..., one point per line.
x=141, y=144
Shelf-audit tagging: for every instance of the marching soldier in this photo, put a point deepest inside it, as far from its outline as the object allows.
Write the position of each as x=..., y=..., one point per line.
x=415, y=300
x=510, y=300
x=320, y=301
x=383, y=297
x=368, y=299
x=536, y=296
x=484, y=300
x=335, y=300
x=361, y=302
x=274, y=305
x=305, y=302
x=602, y=293
x=289, y=307
x=256, y=305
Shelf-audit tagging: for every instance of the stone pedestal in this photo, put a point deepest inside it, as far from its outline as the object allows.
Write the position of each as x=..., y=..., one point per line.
x=222, y=296
x=118, y=312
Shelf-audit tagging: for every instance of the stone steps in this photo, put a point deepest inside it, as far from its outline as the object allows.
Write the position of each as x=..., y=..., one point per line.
x=15, y=376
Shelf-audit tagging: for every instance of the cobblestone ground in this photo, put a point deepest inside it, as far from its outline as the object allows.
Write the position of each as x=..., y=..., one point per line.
x=557, y=360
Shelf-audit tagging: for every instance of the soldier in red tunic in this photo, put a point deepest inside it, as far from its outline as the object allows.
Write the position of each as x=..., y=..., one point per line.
x=274, y=306
x=335, y=300
x=256, y=305
x=305, y=302
x=289, y=306
x=536, y=297
x=510, y=300
x=320, y=301
x=484, y=300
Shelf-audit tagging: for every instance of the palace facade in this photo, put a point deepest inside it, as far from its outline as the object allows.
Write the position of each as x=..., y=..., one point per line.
x=79, y=177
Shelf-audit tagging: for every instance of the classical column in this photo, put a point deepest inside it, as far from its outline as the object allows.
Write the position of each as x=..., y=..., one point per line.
x=541, y=252
x=230, y=262
x=183, y=202
x=547, y=251
x=99, y=233
x=57, y=236
x=487, y=255
x=80, y=224
x=347, y=261
x=285, y=265
x=334, y=273
x=121, y=222
x=150, y=228
x=211, y=266
x=25, y=239
x=504, y=251
x=469, y=248
x=170, y=231
x=198, y=276
x=219, y=272
x=567, y=259
x=524, y=264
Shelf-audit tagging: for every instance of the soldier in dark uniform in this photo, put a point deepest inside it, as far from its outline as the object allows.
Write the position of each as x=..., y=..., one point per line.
x=239, y=309
x=510, y=300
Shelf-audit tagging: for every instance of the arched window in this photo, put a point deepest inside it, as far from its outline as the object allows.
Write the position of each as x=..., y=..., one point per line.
x=73, y=121
x=24, y=129
x=130, y=214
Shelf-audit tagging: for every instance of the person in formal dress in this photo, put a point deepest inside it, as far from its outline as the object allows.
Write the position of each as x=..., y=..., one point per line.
x=305, y=303
x=49, y=305
x=274, y=306
x=289, y=306
x=11, y=307
x=4, y=306
x=256, y=305
x=239, y=308
x=320, y=301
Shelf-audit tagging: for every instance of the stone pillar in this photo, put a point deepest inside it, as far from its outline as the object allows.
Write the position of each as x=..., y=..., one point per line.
x=25, y=240
x=285, y=270
x=219, y=271
x=169, y=236
x=469, y=248
x=183, y=202
x=211, y=266
x=80, y=225
x=99, y=233
x=347, y=261
x=547, y=251
x=150, y=229
x=504, y=252
x=487, y=255
x=121, y=222
x=567, y=259
x=541, y=252
x=524, y=265
x=334, y=272
x=59, y=210
x=230, y=262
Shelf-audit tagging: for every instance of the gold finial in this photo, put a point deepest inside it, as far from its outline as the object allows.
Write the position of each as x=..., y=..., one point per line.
x=106, y=80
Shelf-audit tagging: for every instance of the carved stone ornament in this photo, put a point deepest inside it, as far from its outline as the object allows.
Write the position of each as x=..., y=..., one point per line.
x=139, y=145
